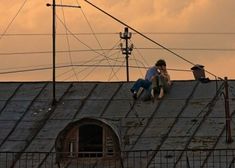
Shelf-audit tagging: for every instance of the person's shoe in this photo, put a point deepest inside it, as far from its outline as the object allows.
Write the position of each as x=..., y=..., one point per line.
x=134, y=95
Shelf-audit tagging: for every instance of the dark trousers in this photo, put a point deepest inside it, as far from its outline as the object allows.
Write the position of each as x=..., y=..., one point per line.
x=141, y=83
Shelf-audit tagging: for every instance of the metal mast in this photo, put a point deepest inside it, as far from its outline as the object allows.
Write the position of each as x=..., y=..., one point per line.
x=54, y=45
x=54, y=50
x=127, y=50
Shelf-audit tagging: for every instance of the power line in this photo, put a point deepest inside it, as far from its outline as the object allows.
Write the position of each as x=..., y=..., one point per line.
x=8, y=26
x=146, y=37
x=108, y=49
x=117, y=33
x=190, y=49
x=79, y=65
x=96, y=38
x=68, y=43
x=80, y=40
x=58, y=51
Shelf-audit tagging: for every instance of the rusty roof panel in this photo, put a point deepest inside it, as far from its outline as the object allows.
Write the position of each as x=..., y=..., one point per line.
x=80, y=91
x=37, y=111
x=206, y=90
x=42, y=145
x=175, y=142
x=24, y=131
x=92, y=108
x=28, y=91
x=47, y=93
x=62, y=112
x=181, y=89
x=195, y=108
x=13, y=146
x=117, y=109
x=143, y=109
x=7, y=90
x=185, y=118
x=6, y=127
x=124, y=92
x=52, y=128
x=105, y=91
x=170, y=108
x=14, y=110
x=147, y=143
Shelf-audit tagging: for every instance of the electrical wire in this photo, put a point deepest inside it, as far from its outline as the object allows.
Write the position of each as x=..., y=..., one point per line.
x=93, y=32
x=12, y=20
x=94, y=67
x=82, y=43
x=135, y=59
x=115, y=63
x=58, y=51
x=97, y=62
x=151, y=40
x=67, y=30
x=107, y=49
x=190, y=49
x=118, y=69
x=79, y=65
x=137, y=49
x=117, y=33
x=80, y=40
x=68, y=43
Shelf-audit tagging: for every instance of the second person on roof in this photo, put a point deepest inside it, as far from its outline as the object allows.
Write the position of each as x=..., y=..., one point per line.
x=157, y=81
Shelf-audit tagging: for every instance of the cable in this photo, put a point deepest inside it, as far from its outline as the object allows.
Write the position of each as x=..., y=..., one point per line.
x=191, y=49
x=137, y=49
x=80, y=40
x=146, y=37
x=105, y=59
x=111, y=77
x=79, y=65
x=94, y=34
x=94, y=67
x=8, y=26
x=58, y=51
x=136, y=61
x=115, y=63
x=68, y=43
x=117, y=33
x=107, y=49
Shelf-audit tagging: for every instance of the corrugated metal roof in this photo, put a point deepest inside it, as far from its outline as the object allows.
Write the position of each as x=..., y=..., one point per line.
x=188, y=117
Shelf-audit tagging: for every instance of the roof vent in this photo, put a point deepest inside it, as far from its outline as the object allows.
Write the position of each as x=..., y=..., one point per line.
x=198, y=72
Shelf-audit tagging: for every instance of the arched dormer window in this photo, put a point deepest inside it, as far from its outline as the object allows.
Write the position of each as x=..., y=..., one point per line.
x=87, y=138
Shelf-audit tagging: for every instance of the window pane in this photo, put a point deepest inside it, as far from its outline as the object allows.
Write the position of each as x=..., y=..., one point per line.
x=91, y=140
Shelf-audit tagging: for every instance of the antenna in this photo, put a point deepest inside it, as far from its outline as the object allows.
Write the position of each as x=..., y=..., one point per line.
x=54, y=101
x=127, y=50
x=146, y=37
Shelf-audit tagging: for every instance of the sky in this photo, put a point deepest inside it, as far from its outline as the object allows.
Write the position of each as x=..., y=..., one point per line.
x=88, y=41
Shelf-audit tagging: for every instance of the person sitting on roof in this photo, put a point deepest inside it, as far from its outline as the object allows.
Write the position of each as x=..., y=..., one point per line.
x=161, y=81
x=146, y=82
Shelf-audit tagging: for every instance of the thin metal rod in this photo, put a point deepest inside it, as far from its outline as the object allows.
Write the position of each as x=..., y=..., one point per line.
x=138, y=32
x=127, y=60
x=60, y=5
x=54, y=50
x=227, y=112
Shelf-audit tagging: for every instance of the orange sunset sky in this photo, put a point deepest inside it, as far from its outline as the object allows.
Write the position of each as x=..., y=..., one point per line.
x=88, y=42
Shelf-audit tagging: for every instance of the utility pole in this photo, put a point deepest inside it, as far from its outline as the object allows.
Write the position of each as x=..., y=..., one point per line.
x=54, y=50
x=227, y=112
x=127, y=50
x=54, y=45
